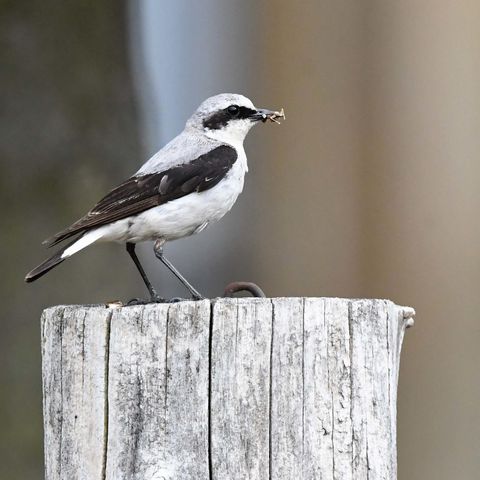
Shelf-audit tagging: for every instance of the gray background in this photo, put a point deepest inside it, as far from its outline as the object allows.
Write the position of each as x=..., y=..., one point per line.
x=369, y=189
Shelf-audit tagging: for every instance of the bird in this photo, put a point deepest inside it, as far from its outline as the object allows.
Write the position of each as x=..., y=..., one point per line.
x=190, y=183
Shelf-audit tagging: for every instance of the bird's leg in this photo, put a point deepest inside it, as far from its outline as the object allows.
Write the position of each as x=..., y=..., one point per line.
x=158, y=249
x=154, y=297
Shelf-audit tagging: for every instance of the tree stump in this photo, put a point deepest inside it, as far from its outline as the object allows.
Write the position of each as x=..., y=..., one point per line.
x=279, y=389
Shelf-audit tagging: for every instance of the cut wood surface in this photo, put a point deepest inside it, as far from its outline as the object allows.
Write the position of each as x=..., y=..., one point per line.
x=282, y=389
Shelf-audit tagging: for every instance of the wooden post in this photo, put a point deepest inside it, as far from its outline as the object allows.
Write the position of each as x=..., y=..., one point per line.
x=280, y=389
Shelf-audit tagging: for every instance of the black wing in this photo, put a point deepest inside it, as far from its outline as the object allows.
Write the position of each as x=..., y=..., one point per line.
x=140, y=193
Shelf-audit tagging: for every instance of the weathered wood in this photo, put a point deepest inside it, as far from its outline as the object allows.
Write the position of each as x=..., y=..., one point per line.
x=75, y=354
x=289, y=388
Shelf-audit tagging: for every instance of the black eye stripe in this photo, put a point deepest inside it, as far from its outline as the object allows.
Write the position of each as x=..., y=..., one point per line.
x=219, y=119
x=245, y=112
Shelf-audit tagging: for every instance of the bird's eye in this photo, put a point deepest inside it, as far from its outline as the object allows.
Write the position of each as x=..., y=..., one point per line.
x=233, y=110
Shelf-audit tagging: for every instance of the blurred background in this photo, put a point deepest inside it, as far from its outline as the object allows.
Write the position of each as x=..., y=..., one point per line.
x=369, y=189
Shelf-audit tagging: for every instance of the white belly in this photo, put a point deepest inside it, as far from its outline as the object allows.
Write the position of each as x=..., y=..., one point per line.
x=183, y=216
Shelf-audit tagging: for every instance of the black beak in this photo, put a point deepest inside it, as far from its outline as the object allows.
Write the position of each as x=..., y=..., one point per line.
x=263, y=115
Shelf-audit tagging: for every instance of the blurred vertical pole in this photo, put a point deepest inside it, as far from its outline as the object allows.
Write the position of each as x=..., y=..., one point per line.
x=373, y=190
x=67, y=134
x=421, y=219
x=182, y=52
x=309, y=236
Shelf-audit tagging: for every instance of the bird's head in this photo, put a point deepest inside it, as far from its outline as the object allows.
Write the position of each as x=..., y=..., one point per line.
x=228, y=117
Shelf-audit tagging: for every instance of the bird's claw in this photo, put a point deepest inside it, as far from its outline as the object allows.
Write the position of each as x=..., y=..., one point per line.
x=136, y=301
x=198, y=297
x=195, y=298
x=177, y=299
x=142, y=301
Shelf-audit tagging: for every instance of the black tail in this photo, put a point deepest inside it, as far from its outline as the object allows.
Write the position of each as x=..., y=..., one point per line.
x=48, y=264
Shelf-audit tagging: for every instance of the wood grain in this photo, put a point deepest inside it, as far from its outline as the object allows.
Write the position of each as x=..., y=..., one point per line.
x=287, y=388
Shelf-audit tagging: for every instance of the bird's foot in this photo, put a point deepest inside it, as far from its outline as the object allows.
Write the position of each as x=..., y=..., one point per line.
x=180, y=299
x=177, y=299
x=197, y=296
x=136, y=301
x=157, y=299
x=142, y=301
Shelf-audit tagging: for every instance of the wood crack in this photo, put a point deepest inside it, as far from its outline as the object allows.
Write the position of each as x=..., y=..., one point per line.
x=270, y=460
x=106, y=404
x=209, y=400
x=83, y=350
x=165, y=393
x=330, y=387
x=62, y=324
x=350, y=333
x=303, y=387
x=388, y=357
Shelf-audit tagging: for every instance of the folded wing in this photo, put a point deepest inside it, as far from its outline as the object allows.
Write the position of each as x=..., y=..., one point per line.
x=139, y=193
